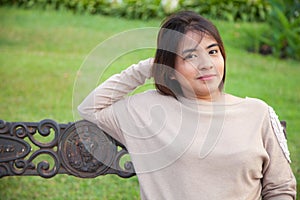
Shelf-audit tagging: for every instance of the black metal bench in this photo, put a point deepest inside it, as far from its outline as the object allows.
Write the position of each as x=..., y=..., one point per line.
x=80, y=149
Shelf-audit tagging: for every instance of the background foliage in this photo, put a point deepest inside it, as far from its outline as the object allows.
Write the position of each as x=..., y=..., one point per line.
x=234, y=10
x=281, y=37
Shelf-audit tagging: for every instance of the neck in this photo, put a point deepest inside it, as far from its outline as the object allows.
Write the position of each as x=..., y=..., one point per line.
x=217, y=96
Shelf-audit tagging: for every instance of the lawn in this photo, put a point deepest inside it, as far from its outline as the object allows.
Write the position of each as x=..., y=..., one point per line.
x=43, y=52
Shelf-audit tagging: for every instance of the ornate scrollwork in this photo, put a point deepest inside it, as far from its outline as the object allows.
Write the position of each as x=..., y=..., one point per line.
x=80, y=149
x=4, y=126
x=127, y=169
x=42, y=168
x=44, y=129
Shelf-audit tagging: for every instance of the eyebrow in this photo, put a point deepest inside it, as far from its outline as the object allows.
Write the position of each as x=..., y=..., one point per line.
x=188, y=50
x=212, y=45
x=194, y=49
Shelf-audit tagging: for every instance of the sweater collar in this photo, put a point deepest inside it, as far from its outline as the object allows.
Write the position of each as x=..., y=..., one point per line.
x=210, y=105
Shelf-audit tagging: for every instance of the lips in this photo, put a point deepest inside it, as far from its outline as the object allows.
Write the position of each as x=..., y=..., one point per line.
x=206, y=77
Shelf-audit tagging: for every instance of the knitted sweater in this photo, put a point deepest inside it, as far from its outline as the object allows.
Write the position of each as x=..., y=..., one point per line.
x=193, y=149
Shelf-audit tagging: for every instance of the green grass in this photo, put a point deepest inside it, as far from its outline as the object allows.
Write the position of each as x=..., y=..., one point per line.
x=42, y=51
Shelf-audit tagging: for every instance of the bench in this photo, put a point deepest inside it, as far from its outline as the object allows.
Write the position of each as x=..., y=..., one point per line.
x=79, y=148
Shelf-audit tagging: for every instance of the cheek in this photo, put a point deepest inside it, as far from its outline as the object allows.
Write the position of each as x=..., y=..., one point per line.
x=188, y=71
x=220, y=66
x=184, y=74
x=185, y=69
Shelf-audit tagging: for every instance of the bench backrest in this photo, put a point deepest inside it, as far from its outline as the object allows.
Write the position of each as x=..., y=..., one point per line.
x=80, y=149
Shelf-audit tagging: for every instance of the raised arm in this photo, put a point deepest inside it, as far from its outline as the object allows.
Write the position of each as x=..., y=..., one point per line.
x=96, y=106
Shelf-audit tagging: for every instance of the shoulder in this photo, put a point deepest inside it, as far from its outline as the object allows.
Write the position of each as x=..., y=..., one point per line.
x=254, y=108
x=257, y=104
x=256, y=101
x=262, y=107
x=148, y=99
x=249, y=101
x=151, y=96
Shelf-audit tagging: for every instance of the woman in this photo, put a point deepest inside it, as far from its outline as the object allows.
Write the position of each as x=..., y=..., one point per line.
x=188, y=139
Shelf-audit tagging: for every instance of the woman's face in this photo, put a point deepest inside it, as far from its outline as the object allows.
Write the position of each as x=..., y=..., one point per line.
x=199, y=66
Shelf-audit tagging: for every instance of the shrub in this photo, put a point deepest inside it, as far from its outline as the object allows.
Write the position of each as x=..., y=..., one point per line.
x=284, y=21
x=230, y=10
x=233, y=10
x=282, y=36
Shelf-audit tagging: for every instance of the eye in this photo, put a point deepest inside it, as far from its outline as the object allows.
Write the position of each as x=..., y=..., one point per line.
x=190, y=56
x=214, y=51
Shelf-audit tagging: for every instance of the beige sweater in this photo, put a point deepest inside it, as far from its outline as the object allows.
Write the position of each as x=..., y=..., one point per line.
x=185, y=149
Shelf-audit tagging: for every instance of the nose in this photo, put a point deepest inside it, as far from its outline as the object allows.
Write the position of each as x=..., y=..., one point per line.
x=204, y=62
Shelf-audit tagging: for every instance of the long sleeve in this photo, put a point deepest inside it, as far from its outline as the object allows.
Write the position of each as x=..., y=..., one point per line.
x=96, y=107
x=278, y=180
